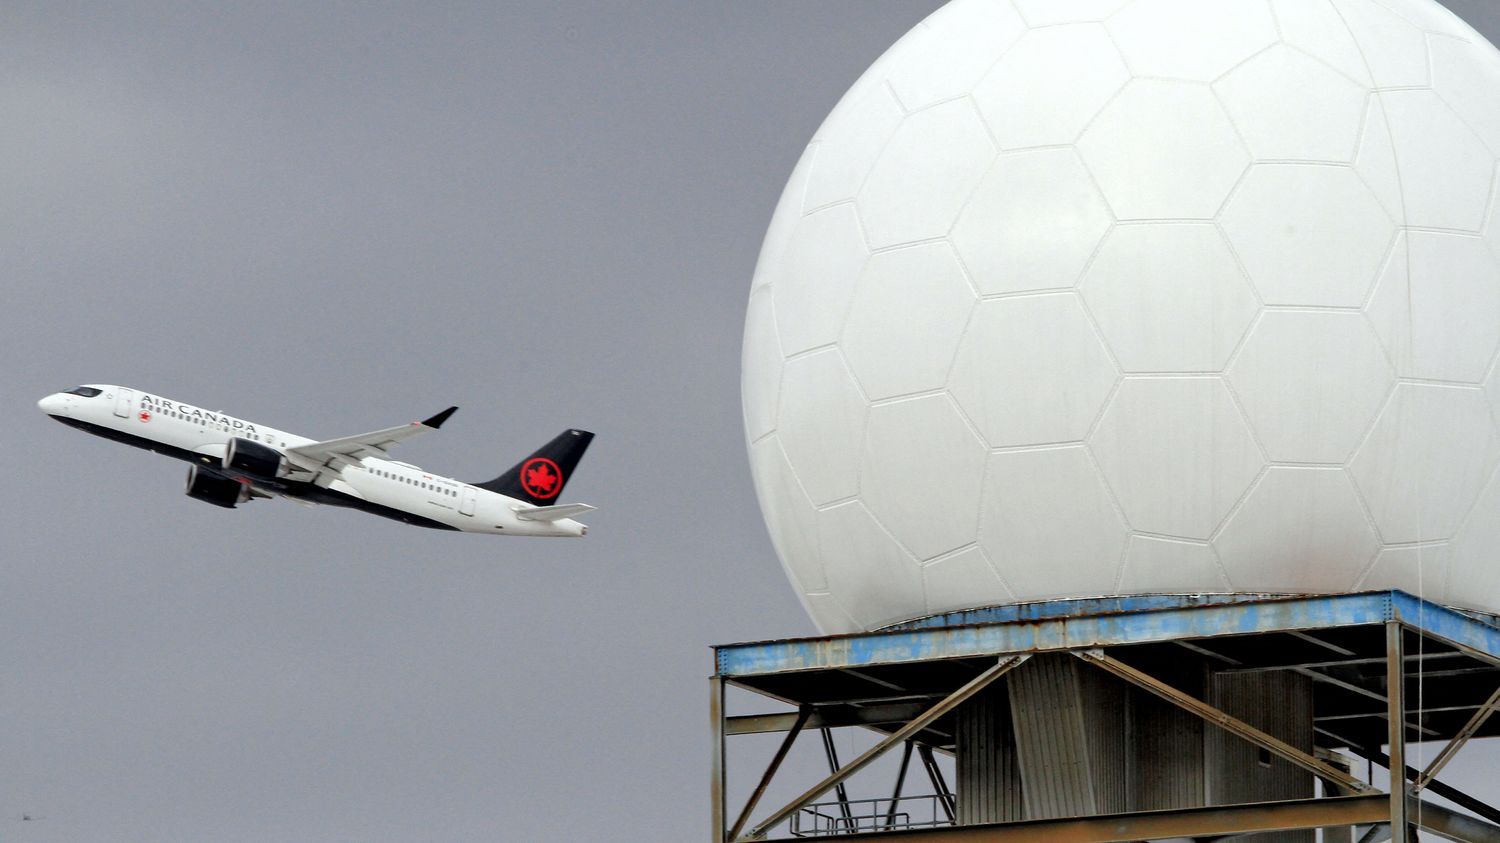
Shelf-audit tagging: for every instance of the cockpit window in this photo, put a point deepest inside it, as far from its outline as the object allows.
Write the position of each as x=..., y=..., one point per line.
x=85, y=391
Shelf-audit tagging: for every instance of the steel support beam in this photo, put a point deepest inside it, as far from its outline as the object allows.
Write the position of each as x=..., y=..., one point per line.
x=717, y=800
x=1447, y=791
x=832, y=754
x=754, y=724
x=890, y=815
x=939, y=786
x=1209, y=822
x=1457, y=743
x=949, y=703
x=1395, y=695
x=765, y=780
x=1213, y=823
x=1224, y=721
x=1452, y=825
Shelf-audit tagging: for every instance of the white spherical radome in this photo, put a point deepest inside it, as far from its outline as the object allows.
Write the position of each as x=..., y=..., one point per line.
x=1078, y=298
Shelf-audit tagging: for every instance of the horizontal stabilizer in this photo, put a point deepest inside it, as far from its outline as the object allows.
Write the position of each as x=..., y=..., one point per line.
x=552, y=513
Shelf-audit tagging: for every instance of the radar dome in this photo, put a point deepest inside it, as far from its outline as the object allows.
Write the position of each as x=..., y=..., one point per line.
x=1076, y=298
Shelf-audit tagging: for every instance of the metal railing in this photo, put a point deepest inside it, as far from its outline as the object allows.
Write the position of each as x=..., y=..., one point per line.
x=857, y=816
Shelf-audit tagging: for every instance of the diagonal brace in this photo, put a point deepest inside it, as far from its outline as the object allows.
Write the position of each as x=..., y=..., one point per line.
x=1230, y=724
x=765, y=780
x=1457, y=743
x=954, y=700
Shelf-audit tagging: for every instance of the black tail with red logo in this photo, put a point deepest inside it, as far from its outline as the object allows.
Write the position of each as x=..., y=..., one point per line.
x=539, y=479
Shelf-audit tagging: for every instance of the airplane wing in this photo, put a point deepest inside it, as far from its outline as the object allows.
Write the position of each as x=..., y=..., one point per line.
x=332, y=455
x=552, y=513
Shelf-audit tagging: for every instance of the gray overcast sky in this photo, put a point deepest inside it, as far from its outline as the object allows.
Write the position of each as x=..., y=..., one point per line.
x=333, y=217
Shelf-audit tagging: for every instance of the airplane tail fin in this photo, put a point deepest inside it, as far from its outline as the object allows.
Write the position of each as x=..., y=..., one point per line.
x=540, y=478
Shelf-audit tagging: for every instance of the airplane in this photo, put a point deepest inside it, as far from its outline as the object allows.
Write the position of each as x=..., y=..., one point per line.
x=234, y=461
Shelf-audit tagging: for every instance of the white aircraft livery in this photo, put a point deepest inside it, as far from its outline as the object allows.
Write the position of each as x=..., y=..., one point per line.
x=234, y=461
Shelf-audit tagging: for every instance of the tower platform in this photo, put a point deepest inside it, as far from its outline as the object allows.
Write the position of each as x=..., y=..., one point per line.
x=1121, y=719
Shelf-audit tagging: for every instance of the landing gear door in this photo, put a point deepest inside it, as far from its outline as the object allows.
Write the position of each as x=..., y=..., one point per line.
x=466, y=502
x=123, y=399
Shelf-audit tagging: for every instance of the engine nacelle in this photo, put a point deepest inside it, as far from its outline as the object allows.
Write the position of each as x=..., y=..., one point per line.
x=208, y=485
x=253, y=458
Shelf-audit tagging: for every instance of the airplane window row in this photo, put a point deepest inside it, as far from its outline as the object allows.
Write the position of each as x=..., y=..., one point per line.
x=431, y=487
x=253, y=437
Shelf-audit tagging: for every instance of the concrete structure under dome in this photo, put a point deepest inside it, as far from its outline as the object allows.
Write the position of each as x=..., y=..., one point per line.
x=1124, y=719
x=1079, y=298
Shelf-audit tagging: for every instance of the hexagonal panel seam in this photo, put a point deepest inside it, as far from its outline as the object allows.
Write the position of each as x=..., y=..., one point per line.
x=813, y=148
x=781, y=449
x=909, y=244
x=989, y=563
x=1239, y=408
x=1360, y=47
x=910, y=554
x=1089, y=124
x=1484, y=386
x=1491, y=219
x=1362, y=84
x=1359, y=492
x=992, y=450
x=1117, y=507
x=1452, y=107
x=1359, y=584
x=1369, y=566
x=1109, y=491
x=1246, y=60
x=834, y=602
x=1456, y=384
x=1203, y=543
x=963, y=416
x=864, y=238
x=1359, y=134
x=763, y=437
x=964, y=270
x=907, y=396
x=1088, y=314
x=995, y=153
x=1239, y=503
x=1493, y=473
x=1120, y=562
x=775, y=393
x=1270, y=309
x=809, y=352
x=1397, y=248
x=895, y=95
x=1109, y=400
x=963, y=332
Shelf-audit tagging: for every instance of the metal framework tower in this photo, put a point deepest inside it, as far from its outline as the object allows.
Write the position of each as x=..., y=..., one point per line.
x=1124, y=719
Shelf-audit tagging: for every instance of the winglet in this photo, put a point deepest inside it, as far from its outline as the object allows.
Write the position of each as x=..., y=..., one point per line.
x=437, y=420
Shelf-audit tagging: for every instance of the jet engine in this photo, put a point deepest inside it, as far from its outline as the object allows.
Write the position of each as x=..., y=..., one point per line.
x=205, y=484
x=252, y=458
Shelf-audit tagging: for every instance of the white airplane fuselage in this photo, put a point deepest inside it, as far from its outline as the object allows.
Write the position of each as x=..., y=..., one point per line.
x=383, y=487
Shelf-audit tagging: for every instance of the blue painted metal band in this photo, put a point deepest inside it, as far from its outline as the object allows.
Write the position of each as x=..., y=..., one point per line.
x=1131, y=623
x=1445, y=623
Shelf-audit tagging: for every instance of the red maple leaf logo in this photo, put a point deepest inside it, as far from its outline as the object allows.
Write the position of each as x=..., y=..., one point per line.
x=541, y=478
x=145, y=415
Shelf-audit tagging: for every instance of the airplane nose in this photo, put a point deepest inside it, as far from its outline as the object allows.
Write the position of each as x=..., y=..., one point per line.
x=52, y=405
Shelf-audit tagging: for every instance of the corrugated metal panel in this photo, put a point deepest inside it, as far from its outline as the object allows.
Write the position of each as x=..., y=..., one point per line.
x=1104, y=721
x=1167, y=754
x=1279, y=704
x=1167, y=743
x=989, y=780
x=1070, y=738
